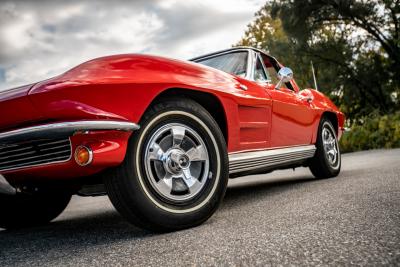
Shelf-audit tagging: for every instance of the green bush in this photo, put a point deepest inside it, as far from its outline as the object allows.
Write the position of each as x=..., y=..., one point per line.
x=372, y=132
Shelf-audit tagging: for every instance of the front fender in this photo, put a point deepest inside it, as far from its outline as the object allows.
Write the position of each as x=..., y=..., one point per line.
x=322, y=104
x=121, y=87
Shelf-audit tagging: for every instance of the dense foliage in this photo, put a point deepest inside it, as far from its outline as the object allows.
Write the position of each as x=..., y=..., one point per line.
x=373, y=131
x=354, y=46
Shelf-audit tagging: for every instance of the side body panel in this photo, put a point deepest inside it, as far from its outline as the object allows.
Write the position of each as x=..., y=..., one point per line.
x=122, y=87
x=253, y=120
x=293, y=119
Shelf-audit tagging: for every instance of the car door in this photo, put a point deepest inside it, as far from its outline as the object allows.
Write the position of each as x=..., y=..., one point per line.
x=251, y=119
x=292, y=116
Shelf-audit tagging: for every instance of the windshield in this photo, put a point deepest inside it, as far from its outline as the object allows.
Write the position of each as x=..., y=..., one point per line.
x=234, y=63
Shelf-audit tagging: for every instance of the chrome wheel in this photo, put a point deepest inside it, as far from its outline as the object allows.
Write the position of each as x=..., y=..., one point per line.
x=176, y=162
x=326, y=162
x=330, y=145
x=175, y=171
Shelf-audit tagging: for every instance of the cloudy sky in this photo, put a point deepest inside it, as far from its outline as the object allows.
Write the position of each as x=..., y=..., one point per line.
x=43, y=38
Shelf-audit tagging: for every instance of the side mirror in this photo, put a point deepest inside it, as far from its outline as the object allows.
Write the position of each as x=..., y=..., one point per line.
x=284, y=75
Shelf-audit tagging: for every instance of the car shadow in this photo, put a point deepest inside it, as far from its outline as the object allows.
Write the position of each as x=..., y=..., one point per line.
x=251, y=191
x=105, y=228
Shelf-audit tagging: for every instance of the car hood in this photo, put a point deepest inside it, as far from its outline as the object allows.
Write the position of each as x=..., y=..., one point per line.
x=16, y=108
x=15, y=92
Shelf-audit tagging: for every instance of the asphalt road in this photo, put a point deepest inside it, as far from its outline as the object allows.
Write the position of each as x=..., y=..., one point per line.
x=283, y=218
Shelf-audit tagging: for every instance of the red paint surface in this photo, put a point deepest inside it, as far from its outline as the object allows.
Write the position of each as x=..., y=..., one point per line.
x=122, y=87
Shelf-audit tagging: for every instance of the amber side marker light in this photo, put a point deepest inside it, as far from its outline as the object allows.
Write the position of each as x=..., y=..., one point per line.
x=83, y=155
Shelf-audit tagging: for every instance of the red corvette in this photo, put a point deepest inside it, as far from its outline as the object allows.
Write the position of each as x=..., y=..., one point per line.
x=160, y=136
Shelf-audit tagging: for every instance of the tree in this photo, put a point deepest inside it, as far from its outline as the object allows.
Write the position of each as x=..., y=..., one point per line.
x=354, y=45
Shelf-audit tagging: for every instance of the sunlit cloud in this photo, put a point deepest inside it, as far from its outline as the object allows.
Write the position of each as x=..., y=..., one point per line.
x=41, y=39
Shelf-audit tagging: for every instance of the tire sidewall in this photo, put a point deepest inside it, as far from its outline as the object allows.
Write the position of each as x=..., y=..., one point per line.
x=146, y=203
x=332, y=168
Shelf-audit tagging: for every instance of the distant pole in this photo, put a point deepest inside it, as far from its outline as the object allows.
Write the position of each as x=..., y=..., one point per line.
x=313, y=74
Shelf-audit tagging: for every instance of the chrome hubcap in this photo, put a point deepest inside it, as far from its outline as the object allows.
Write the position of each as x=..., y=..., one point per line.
x=177, y=162
x=330, y=145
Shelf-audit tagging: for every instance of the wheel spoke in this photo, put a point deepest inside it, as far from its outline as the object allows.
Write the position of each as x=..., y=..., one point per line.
x=196, y=185
x=332, y=155
x=155, y=152
x=326, y=146
x=325, y=135
x=188, y=178
x=165, y=186
x=167, y=176
x=186, y=174
x=193, y=184
x=331, y=140
x=197, y=153
x=330, y=145
x=178, y=133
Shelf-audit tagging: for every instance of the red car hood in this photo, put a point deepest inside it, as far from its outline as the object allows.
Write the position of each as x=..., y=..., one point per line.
x=16, y=108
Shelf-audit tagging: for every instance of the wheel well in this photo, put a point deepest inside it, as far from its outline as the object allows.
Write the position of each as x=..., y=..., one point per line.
x=208, y=101
x=333, y=119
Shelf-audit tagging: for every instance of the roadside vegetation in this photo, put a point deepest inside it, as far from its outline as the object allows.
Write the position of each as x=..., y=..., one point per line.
x=372, y=132
x=355, y=49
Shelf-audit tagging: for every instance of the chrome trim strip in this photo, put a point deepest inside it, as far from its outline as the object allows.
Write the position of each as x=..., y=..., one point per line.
x=247, y=161
x=54, y=130
x=251, y=62
x=5, y=187
x=18, y=155
x=250, y=58
x=37, y=157
x=220, y=53
x=268, y=81
x=15, y=150
x=232, y=49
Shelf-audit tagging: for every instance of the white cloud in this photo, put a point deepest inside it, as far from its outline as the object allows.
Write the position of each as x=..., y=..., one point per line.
x=40, y=39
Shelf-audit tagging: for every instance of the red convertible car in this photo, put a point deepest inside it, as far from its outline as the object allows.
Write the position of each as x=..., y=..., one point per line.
x=159, y=136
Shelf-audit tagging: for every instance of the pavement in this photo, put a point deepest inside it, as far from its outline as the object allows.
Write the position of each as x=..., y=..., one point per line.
x=282, y=218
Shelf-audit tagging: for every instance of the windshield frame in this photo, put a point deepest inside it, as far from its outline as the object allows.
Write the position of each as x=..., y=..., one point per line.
x=250, y=59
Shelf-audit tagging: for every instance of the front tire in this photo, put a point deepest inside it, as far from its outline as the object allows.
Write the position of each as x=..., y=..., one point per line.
x=175, y=173
x=326, y=162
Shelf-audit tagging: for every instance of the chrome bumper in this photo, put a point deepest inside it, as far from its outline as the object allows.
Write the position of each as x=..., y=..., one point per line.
x=5, y=187
x=47, y=143
x=61, y=129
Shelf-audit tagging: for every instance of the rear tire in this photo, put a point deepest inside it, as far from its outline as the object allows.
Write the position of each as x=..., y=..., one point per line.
x=326, y=162
x=175, y=172
x=25, y=210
